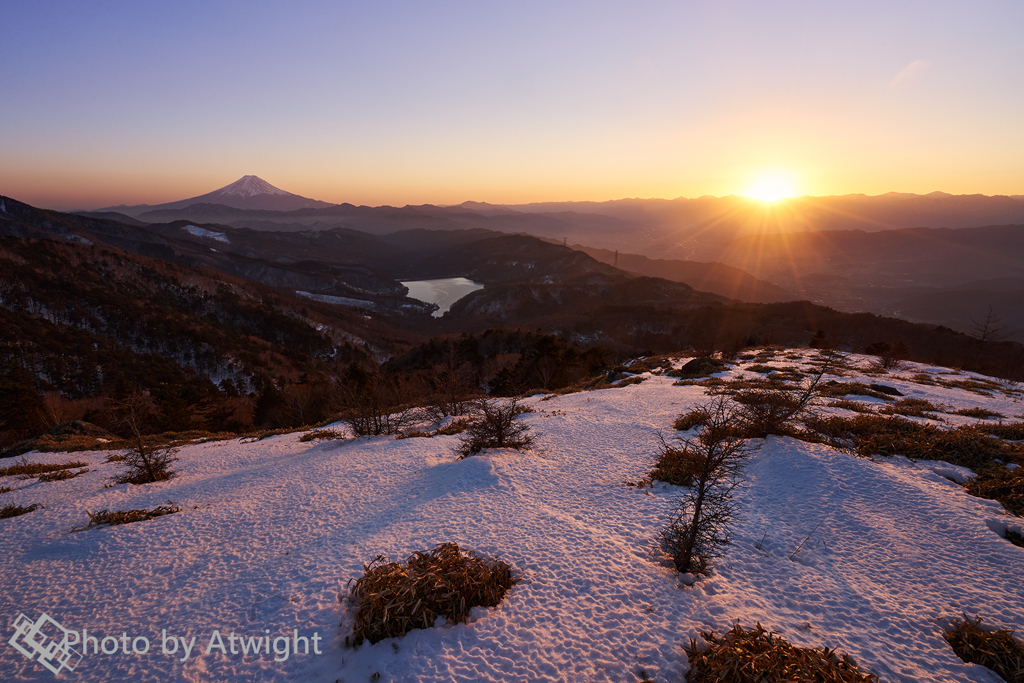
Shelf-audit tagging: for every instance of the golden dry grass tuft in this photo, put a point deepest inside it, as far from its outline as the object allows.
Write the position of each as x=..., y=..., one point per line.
x=871, y=435
x=691, y=419
x=841, y=389
x=912, y=407
x=392, y=598
x=675, y=465
x=854, y=406
x=106, y=517
x=757, y=655
x=12, y=510
x=999, y=483
x=25, y=469
x=321, y=434
x=979, y=413
x=998, y=650
x=1011, y=431
x=61, y=475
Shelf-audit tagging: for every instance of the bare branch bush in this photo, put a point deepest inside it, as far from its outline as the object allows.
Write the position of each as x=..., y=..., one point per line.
x=497, y=427
x=453, y=391
x=144, y=462
x=377, y=406
x=699, y=527
x=773, y=411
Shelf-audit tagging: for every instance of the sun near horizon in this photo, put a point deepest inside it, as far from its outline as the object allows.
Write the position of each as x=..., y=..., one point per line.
x=771, y=186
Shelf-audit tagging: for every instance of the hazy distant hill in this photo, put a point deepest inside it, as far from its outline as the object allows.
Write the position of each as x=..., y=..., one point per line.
x=192, y=305
x=706, y=277
x=922, y=274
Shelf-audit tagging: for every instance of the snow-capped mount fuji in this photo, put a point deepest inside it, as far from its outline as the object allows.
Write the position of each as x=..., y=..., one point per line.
x=250, y=186
x=248, y=192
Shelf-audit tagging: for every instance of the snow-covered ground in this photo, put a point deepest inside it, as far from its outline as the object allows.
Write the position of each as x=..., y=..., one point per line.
x=272, y=530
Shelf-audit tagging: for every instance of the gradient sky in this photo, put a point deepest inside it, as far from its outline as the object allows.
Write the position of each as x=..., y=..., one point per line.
x=378, y=102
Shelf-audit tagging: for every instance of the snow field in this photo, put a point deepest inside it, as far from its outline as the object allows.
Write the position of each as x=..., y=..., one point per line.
x=273, y=529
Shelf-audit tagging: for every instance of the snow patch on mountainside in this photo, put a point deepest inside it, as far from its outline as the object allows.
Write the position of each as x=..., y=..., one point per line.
x=203, y=232
x=338, y=300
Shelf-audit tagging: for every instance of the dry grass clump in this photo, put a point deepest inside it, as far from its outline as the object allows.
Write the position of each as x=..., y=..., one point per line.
x=27, y=469
x=999, y=483
x=318, y=434
x=1013, y=431
x=691, y=419
x=997, y=650
x=762, y=412
x=61, y=475
x=870, y=435
x=851, y=405
x=454, y=427
x=392, y=598
x=840, y=389
x=979, y=413
x=128, y=516
x=763, y=369
x=757, y=656
x=12, y=510
x=676, y=466
x=912, y=407
x=982, y=387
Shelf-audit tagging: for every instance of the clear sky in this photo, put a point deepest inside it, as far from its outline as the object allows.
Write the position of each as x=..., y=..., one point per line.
x=114, y=101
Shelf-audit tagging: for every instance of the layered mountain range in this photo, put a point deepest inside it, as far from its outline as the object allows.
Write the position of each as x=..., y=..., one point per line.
x=937, y=258
x=92, y=304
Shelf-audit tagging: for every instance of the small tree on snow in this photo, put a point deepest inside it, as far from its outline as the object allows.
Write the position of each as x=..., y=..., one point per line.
x=700, y=524
x=145, y=463
x=497, y=427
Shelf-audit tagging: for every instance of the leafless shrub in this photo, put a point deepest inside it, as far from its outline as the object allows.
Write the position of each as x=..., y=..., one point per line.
x=452, y=386
x=699, y=526
x=497, y=427
x=773, y=411
x=392, y=598
x=377, y=406
x=145, y=462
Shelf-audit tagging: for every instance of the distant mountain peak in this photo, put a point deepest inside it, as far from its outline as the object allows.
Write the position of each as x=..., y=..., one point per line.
x=250, y=186
x=247, y=193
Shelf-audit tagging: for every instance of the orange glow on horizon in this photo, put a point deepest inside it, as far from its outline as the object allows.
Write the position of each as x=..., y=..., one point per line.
x=772, y=186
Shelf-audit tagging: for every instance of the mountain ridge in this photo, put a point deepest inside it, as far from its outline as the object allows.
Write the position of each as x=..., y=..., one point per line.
x=248, y=192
